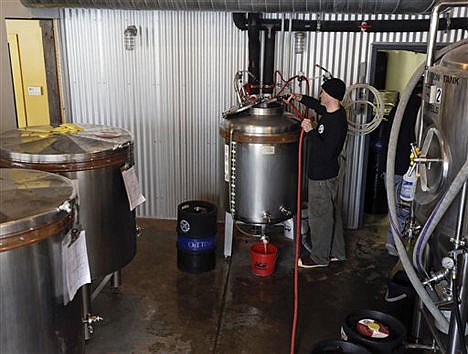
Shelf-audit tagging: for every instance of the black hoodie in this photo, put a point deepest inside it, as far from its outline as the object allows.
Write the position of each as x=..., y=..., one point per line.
x=326, y=141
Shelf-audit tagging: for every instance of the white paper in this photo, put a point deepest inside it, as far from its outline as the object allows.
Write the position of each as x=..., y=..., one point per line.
x=75, y=265
x=135, y=197
x=432, y=94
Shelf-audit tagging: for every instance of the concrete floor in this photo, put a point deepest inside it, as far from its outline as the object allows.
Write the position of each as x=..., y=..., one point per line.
x=159, y=309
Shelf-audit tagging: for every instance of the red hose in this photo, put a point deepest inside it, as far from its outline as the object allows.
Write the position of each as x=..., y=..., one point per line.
x=298, y=207
x=298, y=233
x=299, y=77
x=298, y=237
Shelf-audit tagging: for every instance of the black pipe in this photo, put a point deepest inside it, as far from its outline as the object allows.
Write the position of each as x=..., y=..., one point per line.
x=354, y=26
x=239, y=20
x=254, y=50
x=269, y=61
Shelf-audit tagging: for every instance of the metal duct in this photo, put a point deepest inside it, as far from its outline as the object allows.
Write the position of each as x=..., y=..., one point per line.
x=307, y=6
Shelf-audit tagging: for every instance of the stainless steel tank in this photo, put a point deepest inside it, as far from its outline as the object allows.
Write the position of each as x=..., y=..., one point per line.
x=261, y=164
x=37, y=210
x=445, y=137
x=93, y=159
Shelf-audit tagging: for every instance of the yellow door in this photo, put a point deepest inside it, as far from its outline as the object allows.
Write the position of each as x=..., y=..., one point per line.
x=29, y=72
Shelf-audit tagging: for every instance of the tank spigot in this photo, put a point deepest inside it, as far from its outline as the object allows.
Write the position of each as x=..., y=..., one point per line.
x=92, y=319
x=88, y=321
x=266, y=216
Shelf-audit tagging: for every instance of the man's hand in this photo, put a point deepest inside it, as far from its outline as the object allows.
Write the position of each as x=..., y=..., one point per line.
x=306, y=125
x=293, y=96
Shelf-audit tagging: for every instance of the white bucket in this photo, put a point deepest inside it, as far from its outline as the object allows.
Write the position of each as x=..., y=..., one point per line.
x=288, y=228
x=289, y=225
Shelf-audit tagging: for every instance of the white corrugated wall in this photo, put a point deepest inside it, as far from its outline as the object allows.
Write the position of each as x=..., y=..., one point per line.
x=171, y=90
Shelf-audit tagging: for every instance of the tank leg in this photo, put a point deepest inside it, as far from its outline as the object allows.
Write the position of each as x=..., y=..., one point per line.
x=86, y=310
x=228, y=229
x=101, y=285
x=116, y=280
x=417, y=320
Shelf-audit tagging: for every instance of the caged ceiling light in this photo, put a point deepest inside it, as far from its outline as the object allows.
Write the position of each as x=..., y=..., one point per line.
x=130, y=34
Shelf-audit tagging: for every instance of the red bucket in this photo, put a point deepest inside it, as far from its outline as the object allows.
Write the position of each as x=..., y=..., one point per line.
x=263, y=258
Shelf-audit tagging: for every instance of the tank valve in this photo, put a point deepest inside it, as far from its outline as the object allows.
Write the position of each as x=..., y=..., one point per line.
x=139, y=230
x=88, y=321
x=285, y=211
x=66, y=207
x=436, y=277
x=266, y=216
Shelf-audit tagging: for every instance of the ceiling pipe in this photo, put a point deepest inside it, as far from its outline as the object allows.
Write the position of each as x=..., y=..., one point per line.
x=254, y=23
x=267, y=6
x=254, y=50
x=354, y=26
x=269, y=61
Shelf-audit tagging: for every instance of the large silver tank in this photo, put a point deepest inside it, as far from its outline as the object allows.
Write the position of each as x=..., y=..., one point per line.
x=446, y=136
x=261, y=164
x=93, y=159
x=33, y=317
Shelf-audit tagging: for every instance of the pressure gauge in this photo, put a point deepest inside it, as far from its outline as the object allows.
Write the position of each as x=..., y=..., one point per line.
x=448, y=263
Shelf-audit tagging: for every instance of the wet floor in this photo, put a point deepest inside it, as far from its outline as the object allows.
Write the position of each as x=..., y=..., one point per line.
x=159, y=309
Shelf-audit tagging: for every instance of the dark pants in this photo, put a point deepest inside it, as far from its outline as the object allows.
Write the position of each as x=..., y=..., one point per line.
x=402, y=212
x=325, y=221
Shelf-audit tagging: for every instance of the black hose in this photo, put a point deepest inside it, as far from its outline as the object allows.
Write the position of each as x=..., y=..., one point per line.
x=414, y=25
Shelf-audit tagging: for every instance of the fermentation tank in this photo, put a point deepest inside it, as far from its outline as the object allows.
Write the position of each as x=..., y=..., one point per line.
x=37, y=210
x=93, y=159
x=260, y=171
x=444, y=140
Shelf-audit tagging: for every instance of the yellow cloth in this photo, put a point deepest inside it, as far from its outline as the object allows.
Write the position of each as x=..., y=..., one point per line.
x=65, y=128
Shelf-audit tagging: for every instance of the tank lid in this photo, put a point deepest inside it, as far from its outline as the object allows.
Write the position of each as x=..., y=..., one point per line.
x=267, y=109
x=31, y=199
x=42, y=144
x=263, y=120
x=456, y=59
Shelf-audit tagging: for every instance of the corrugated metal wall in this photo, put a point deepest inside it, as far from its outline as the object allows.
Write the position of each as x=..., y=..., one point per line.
x=170, y=91
x=347, y=56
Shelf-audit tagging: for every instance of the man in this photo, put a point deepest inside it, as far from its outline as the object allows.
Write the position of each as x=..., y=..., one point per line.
x=406, y=136
x=325, y=143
